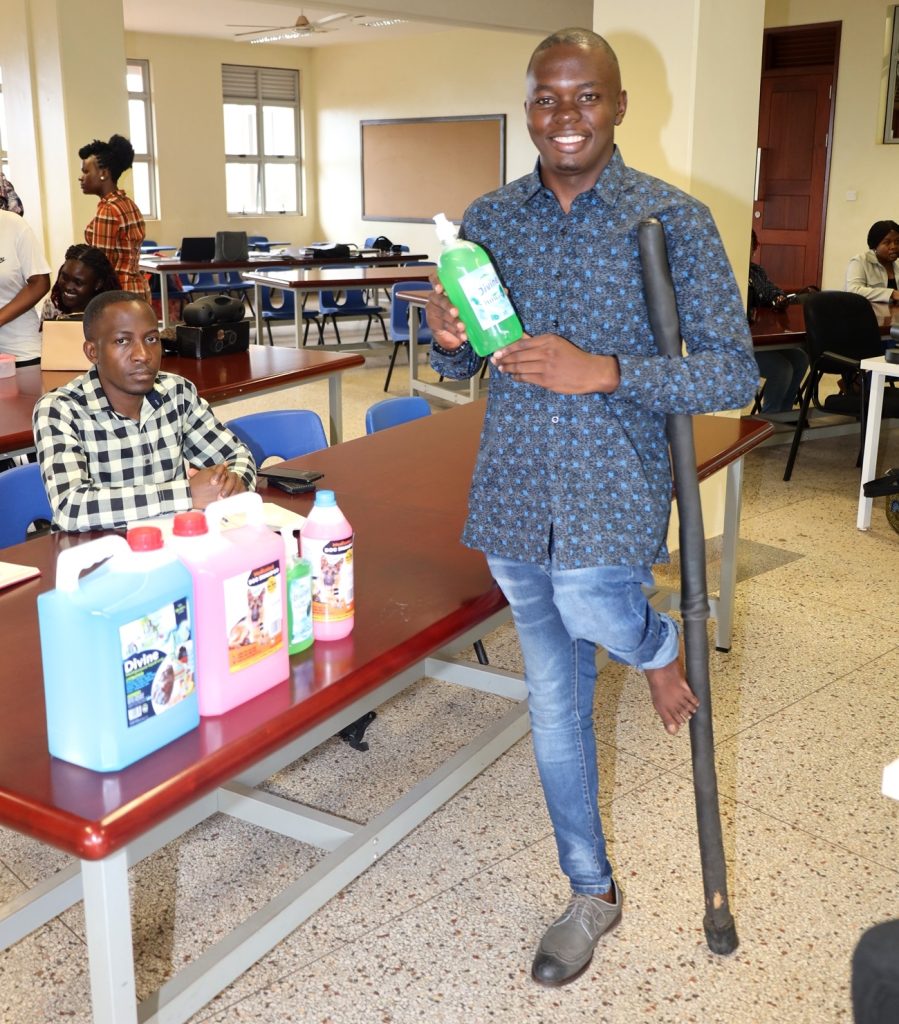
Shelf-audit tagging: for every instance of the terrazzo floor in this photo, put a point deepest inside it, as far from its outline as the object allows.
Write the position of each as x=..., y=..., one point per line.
x=443, y=928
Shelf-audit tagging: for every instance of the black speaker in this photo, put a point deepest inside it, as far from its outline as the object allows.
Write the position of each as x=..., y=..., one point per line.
x=213, y=309
x=215, y=340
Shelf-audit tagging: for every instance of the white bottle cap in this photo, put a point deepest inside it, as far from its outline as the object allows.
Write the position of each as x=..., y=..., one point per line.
x=446, y=230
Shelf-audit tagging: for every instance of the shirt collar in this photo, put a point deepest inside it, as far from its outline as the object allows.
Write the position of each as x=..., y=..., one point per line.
x=611, y=183
x=97, y=401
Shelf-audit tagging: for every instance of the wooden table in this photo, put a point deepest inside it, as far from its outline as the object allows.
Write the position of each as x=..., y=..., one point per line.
x=331, y=279
x=218, y=379
x=263, y=261
x=421, y=596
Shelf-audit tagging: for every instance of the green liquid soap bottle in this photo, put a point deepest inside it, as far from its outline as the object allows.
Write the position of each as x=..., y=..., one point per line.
x=299, y=596
x=473, y=287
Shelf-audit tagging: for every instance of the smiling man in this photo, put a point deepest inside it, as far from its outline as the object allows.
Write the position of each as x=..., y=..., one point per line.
x=572, y=491
x=125, y=442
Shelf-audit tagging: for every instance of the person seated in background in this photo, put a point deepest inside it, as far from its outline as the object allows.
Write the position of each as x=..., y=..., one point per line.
x=874, y=273
x=24, y=281
x=125, y=442
x=783, y=368
x=9, y=198
x=86, y=273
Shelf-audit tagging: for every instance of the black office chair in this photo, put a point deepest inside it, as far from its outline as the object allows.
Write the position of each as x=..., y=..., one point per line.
x=841, y=329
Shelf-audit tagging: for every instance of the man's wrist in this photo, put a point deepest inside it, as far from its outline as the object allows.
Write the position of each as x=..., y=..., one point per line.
x=450, y=352
x=609, y=376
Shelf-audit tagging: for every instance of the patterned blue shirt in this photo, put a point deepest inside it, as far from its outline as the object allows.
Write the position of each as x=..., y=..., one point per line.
x=587, y=477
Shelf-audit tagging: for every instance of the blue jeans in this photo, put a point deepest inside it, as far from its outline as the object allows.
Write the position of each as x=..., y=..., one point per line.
x=561, y=615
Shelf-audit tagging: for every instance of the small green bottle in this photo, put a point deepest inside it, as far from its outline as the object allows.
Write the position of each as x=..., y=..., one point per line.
x=299, y=597
x=473, y=287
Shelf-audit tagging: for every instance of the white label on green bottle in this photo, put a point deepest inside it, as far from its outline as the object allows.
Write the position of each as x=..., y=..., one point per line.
x=486, y=295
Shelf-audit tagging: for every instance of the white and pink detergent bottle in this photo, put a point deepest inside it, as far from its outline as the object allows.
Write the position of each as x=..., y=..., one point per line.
x=326, y=541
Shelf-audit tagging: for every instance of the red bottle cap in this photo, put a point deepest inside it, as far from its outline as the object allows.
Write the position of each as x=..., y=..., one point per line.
x=190, y=524
x=144, y=538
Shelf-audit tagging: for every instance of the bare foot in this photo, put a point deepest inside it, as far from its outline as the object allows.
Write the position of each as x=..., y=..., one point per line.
x=671, y=695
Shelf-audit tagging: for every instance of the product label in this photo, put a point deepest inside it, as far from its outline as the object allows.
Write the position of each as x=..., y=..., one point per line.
x=299, y=597
x=332, y=578
x=253, y=615
x=157, y=661
x=489, y=302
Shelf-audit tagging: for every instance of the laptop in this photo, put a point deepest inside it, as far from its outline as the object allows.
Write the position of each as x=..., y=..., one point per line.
x=62, y=346
x=197, y=250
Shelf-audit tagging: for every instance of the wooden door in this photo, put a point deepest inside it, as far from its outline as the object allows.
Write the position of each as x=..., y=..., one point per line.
x=795, y=118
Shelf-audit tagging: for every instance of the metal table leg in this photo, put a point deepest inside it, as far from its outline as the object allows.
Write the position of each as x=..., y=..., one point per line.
x=107, y=914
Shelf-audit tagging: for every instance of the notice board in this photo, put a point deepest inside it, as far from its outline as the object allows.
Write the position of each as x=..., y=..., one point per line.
x=413, y=168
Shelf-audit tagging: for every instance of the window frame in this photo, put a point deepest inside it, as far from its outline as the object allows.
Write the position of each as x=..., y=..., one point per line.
x=238, y=93
x=149, y=158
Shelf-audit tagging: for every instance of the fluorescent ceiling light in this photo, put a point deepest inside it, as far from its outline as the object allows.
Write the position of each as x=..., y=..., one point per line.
x=363, y=21
x=276, y=36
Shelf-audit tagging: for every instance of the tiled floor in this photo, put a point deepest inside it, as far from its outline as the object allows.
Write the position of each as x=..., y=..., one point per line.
x=443, y=927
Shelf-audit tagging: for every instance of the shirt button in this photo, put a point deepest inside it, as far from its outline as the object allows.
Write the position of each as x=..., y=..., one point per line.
x=555, y=419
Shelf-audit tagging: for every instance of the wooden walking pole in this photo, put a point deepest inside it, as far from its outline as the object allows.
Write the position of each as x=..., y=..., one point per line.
x=720, y=929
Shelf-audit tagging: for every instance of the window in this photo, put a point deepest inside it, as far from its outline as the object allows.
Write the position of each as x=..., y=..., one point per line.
x=262, y=139
x=4, y=155
x=140, y=125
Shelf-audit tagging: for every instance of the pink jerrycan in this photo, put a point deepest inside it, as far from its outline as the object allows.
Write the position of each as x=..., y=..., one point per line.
x=237, y=565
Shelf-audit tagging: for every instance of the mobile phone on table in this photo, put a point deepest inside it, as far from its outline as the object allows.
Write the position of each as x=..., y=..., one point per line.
x=293, y=481
x=291, y=486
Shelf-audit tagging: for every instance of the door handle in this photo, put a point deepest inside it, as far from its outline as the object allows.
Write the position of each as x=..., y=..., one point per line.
x=758, y=173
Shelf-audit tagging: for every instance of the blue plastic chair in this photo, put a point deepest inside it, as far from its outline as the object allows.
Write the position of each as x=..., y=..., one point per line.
x=208, y=283
x=399, y=321
x=286, y=310
x=353, y=305
x=22, y=501
x=391, y=412
x=237, y=286
x=258, y=242
x=280, y=433
x=174, y=290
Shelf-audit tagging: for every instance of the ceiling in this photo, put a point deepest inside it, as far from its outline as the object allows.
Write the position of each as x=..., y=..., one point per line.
x=222, y=19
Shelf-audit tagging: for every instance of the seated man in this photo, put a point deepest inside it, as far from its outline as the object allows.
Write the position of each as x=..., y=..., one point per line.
x=783, y=369
x=115, y=445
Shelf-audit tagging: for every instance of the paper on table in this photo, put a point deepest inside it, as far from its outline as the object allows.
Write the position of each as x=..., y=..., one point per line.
x=274, y=517
x=11, y=573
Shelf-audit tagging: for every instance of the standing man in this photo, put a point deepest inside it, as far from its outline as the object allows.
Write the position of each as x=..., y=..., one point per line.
x=125, y=442
x=572, y=490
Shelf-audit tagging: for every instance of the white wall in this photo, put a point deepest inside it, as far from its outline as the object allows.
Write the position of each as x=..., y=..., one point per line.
x=186, y=83
x=445, y=74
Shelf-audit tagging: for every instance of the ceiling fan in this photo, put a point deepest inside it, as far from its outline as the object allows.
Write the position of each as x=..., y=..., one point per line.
x=276, y=33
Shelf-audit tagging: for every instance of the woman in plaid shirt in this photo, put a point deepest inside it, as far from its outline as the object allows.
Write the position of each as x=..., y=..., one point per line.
x=118, y=227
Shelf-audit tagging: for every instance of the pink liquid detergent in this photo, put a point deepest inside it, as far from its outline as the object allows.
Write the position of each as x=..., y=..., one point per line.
x=327, y=544
x=240, y=595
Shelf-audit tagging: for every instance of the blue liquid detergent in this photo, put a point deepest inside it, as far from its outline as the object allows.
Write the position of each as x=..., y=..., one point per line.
x=117, y=650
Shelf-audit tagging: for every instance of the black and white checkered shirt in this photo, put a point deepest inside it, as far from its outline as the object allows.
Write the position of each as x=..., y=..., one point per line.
x=103, y=471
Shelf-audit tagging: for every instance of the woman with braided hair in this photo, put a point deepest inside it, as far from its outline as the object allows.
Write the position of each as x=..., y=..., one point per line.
x=86, y=273
x=118, y=227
